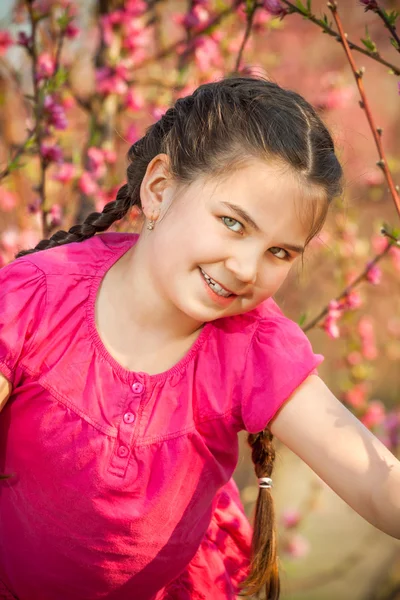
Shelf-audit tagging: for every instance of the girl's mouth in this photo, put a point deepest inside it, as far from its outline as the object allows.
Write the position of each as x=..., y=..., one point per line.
x=216, y=287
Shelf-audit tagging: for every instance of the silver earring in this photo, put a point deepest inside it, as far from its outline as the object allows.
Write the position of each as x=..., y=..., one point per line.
x=150, y=225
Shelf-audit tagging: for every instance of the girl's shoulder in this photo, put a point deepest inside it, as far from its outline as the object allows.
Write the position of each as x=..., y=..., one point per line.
x=86, y=256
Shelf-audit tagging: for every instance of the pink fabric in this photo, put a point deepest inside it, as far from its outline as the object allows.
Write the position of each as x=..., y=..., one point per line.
x=122, y=481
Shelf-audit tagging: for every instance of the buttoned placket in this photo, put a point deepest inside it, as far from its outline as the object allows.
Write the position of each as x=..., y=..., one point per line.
x=126, y=430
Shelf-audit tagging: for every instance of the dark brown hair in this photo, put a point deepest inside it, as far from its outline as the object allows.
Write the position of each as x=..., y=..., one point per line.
x=216, y=129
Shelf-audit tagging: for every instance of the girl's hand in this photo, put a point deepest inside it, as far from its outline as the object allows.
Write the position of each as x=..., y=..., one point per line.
x=315, y=425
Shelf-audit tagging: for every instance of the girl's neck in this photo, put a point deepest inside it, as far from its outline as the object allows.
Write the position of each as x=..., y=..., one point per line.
x=147, y=313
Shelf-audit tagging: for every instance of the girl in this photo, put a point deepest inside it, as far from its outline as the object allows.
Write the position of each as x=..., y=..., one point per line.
x=130, y=363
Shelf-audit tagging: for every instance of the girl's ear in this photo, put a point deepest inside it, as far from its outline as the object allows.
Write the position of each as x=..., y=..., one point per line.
x=156, y=190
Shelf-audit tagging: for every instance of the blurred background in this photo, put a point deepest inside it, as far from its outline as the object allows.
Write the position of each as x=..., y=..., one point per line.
x=95, y=74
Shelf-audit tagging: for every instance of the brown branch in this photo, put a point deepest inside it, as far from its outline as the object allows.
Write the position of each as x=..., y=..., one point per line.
x=174, y=47
x=374, y=55
x=19, y=152
x=376, y=131
x=389, y=26
x=351, y=286
x=249, y=24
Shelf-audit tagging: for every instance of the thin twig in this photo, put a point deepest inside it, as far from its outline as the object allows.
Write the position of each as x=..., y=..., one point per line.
x=376, y=131
x=348, y=289
x=310, y=17
x=389, y=26
x=249, y=24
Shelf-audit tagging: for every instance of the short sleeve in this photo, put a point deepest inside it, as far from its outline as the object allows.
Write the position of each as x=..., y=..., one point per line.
x=22, y=300
x=280, y=358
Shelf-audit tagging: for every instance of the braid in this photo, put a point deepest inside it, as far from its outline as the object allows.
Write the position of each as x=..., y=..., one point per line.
x=94, y=223
x=264, y=564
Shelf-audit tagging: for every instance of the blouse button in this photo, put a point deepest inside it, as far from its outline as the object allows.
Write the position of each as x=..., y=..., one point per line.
x=138, y=387
x=123, y=451
x=129, y=417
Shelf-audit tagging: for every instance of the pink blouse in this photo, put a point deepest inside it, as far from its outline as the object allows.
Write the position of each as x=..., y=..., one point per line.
x=116, y=473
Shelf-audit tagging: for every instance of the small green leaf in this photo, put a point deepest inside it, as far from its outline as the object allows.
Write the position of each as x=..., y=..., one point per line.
x=368, y=43
x=391, y=16
x=302, y=319
x=394, y=43
x=309, y=6
x=301, y=7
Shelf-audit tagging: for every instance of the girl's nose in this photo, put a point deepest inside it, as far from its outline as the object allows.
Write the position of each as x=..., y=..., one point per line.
x=244, y=268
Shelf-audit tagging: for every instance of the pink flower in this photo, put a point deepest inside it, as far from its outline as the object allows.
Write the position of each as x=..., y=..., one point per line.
x=275, y=8
x=297, y=546
x=335, y=98
x=96, y=164
x=374, y=415
x=55, y=113
x=5, y=41
x=374, y=178
x=354, y=358
x=131, y=134
x=135, y=8
x=23, y=39
x=374, y=275
x=110, y=156
x=291, y=517
x=45, y=66
x=357, y=396
x=134, y=100
x=379, y=243
x=9, y=240
x=51, y=152
x=369, y=4
x=193, y=19
x=109, y=82
x=8, y=200
x=72, y=31
x=353, y=299
x=65, y=173
x=54, y=216
x=331, y=328
x=87, y=184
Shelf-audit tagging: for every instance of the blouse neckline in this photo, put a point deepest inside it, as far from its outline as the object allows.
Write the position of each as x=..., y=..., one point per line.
x=125, y=374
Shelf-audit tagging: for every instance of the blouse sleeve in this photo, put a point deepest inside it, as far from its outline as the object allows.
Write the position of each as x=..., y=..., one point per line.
x=22, y=299
x=280, y=358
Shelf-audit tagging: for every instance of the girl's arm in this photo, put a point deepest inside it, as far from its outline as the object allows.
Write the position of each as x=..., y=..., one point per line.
x=5, y=390
x=315, y=425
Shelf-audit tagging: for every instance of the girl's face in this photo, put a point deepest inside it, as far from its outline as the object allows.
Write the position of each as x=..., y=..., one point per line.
x=221, y=248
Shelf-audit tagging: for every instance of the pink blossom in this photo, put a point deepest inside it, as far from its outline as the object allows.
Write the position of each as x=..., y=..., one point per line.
x=353, y=299
x=5, y=41
x=34, y=206
x=131, y=134
x=110, y=156
x=375, y=414
x=45, y=66
x=96, y=162
x=134, y=100
x=54, y=216
x=374, y=274
x=356, y=396
x=107, y=29
x=379, y=243
x=335, y=98
x=51, y=152
x=135, y=8
x=136, y=37
x=275, y=8
x=291, y=517
x=297, y=546
x=354, y=358
x=9, y=240
x=72, y=31
x=23, y=39
x=366, y=327
x=207, y=53
x=8, y=200
x=331, y=328
x=109, y=82
x=373, y=178
x=55, y=113
x=335, y=309
x=87, y=184
x=195, y=18
x=67, y=101
x=65, y=173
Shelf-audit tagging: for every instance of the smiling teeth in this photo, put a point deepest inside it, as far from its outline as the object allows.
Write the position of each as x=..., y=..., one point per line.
x=215, y=286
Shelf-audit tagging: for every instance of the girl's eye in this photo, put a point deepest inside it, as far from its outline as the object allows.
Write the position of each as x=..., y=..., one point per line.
x=285, y=256
x=232, y=224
